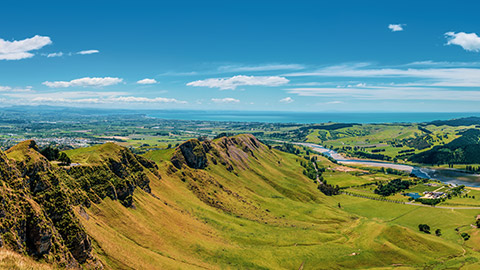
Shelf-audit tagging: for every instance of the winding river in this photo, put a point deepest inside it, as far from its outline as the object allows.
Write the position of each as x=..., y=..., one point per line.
x=448, y=176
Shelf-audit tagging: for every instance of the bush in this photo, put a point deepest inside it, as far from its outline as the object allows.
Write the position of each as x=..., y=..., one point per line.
x=424, y=228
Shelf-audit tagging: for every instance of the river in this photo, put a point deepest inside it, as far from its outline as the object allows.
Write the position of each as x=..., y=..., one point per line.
x=447, y=176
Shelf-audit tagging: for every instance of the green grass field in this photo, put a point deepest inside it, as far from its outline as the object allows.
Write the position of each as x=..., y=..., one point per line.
x=276, y=220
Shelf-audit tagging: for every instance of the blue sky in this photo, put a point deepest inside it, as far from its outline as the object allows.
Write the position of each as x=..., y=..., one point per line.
x=242, y=55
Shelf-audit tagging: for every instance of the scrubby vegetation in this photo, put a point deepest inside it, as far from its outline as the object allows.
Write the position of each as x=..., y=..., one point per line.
x=392, y=187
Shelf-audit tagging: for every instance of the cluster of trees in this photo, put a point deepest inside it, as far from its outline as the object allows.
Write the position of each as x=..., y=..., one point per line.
x=361, y=154
x=406, y=151
x=328, y=189
x=472, y=168
x=54, y=154
x=430, y=201
x=426, y=229
x=289, y=148
x=309, y=170
x=420, y=142
x=457, y=190
x=392, y=187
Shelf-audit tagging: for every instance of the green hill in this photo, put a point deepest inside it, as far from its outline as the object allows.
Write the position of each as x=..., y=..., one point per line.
x=230, y=203
x=463, y=150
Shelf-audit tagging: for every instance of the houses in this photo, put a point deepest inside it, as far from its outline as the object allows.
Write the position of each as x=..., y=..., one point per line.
x=433, y=195
x=431, y=184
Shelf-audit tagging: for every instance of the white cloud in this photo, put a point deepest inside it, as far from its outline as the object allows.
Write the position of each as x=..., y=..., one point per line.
x=88, y=52
x=287, y=100
x=21, y=49
x=240, y=80
x=86, y=97
x=388, y=93
x=443, y=64
x=396, y=27
x=56, y=54
x=469, y=42
x=130, y=99
x=445, y=77
x=64, y=100
x=147, y=81
x=85, y=82
x=225, y=100
x=16, y=89
x=266, y=67
x=67, y=94
x=335, y=102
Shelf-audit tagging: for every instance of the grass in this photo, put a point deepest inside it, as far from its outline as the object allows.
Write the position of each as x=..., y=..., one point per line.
x=382, y=136
x=272, y=217
x=14, y=261
x=265, y=214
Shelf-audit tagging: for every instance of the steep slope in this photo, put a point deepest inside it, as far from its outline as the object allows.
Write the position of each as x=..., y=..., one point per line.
x=39, y=199
x=235, y=203
x=230, y=203
x=39, y=219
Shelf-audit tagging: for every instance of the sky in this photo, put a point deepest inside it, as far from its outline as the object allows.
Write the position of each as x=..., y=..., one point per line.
x=315, y=56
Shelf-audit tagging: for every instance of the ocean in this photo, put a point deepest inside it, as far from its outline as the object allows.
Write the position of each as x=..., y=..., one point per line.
x=305, y=117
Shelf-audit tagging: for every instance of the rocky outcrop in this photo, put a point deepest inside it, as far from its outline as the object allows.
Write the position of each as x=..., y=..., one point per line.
x=228, y=151
x=192, y=153
x=37, y=199
x=41, y=222
x=115, y=177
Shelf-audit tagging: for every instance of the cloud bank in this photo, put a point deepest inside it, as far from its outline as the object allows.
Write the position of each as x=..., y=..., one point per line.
x=225, y=100
x=240, y=80
x=85, y=82
x=21, y=49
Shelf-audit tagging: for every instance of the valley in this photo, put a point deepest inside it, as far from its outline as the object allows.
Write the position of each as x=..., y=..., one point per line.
x=219, y=197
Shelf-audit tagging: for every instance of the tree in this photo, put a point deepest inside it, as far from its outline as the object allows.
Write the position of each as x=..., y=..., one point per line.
x=465, y=236
x=438, y=232
x=64, y=159
x=424, y=228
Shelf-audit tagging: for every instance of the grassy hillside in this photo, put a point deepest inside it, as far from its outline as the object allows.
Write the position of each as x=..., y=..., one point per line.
x=14, y=261
x=255, y=209
x=234, y=203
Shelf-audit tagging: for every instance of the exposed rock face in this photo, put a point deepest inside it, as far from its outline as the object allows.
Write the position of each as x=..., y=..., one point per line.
x=233, y=154
x=37, y=199
x=225, y=150
x=115, y=177
x=193, y=153
x=42, y=219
